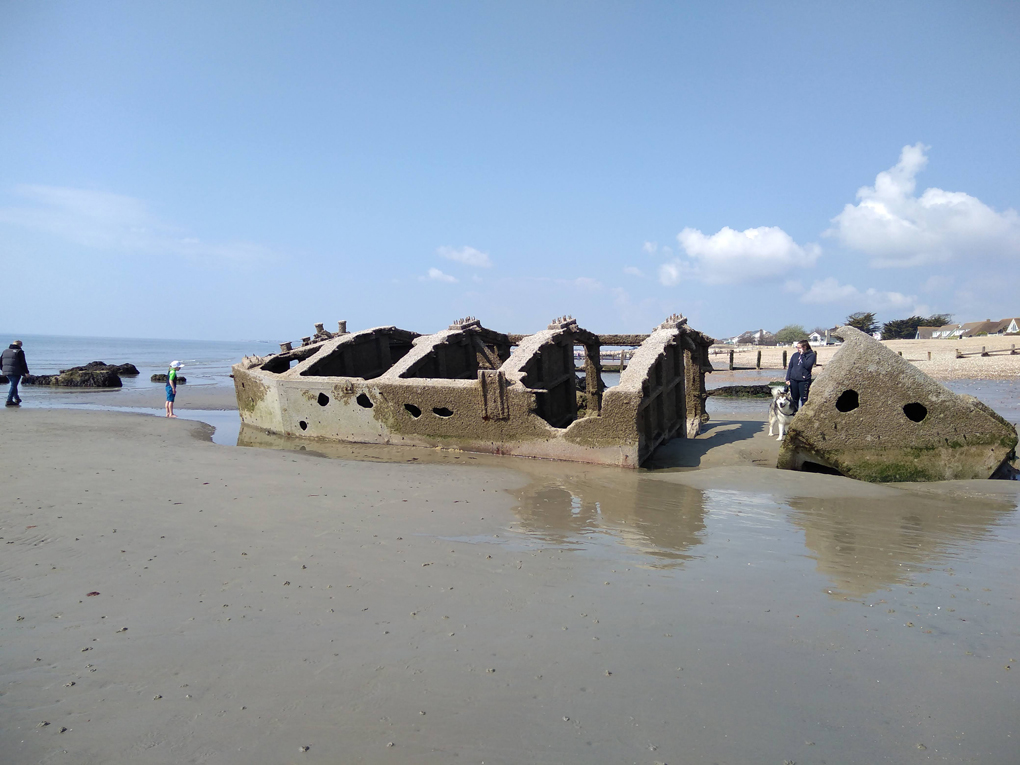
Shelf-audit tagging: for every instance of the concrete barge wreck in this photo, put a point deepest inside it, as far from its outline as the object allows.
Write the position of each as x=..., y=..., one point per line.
x=475, y=389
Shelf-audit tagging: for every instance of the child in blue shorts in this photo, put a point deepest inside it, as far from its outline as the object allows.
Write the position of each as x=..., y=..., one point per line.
x=171, y=387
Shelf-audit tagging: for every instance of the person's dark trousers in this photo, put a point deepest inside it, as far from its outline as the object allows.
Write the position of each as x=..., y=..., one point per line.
x=799, y=392
x=12, y=395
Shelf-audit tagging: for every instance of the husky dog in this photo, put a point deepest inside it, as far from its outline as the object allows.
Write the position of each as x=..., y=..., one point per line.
x=780, y=411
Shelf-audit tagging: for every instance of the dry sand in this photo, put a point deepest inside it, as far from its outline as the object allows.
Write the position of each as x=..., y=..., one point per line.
x=167, y=600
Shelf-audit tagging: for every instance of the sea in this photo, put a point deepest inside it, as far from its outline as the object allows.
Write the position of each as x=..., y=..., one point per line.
x=208, y=363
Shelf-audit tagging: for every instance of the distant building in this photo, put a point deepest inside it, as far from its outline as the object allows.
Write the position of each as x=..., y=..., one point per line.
x=823, y=337
x=1009, y=326
x=761, y=337
x=969, y=329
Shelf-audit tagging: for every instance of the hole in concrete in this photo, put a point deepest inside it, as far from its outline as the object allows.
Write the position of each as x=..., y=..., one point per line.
x=848, y=401
x=323, y=399
x=278, y=365
x=915, y=412
x=814, y=467
x=364, y=401
x=303, y=424
x=413, y=410
x=442, y=411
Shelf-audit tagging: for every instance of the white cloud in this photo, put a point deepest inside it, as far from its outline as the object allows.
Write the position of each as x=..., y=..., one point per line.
x=829, y=290
x=633, y=271
x=670, y=274
x=104, y=221
x=653, y=248
x=469, y=256
x=729, y=256
x=587, y=284
x=436, y=275
x=897, y=228
x=937, y=283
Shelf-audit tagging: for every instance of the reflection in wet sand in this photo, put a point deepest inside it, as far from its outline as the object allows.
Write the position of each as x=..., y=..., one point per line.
x=859, y=544
x=566, y=504
x=651, y=517
x=863, y=545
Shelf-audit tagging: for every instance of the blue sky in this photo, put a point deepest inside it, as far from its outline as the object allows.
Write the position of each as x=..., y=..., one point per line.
x=239, y=170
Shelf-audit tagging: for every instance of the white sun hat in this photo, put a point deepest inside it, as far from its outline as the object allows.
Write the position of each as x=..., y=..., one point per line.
x=176, y=364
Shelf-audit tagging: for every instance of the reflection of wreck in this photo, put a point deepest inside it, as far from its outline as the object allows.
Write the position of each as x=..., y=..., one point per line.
x=471, y=388
x=866, y=544
x=661, y=520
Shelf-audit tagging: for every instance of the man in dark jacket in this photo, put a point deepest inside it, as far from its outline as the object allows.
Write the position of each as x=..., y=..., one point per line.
x=13, y=364
x=798, y=375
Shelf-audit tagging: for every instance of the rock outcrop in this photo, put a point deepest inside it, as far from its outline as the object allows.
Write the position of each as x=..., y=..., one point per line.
x=181, y=379
x=123, y=370
x=91, y=378
x=741, y=391
x=873, y=416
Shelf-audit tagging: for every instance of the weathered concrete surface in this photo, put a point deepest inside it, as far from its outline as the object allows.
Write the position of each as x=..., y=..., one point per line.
x=468, y=388
x=873, y=416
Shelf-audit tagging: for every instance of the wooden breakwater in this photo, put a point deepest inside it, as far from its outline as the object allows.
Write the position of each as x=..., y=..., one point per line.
x=1011, y=351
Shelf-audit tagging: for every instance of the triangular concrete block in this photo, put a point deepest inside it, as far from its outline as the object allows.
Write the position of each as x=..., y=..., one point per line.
x=874, y=416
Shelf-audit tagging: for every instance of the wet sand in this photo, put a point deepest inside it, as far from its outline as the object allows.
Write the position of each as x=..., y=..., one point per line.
x=455, y=607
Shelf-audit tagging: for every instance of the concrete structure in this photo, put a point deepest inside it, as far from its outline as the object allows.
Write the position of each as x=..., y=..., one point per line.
x=471, y=388
x=873, y=416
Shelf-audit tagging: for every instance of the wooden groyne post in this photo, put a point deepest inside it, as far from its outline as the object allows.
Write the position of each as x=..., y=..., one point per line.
x=784, y=359
x=757, y=364
x=731, y=359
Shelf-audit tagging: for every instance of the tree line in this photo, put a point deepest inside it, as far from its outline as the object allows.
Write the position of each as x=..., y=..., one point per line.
x=897, y=329
x=865, y=321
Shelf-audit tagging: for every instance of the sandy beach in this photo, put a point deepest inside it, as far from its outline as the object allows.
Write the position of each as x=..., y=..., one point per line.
x=941, y=365
x=169, y=600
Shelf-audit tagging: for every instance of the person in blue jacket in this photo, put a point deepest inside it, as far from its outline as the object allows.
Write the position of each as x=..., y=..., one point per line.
x=798, y=374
